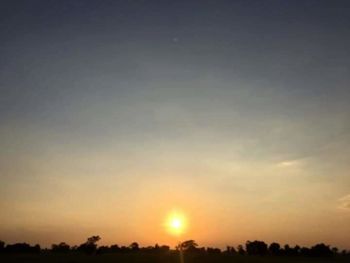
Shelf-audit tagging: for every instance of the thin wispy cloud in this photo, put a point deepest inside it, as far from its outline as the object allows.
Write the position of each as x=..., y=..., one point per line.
x=344, y=202
x=287, y=163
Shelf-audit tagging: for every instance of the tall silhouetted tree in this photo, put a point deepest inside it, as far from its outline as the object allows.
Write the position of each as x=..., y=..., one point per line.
x=189, y=245
x=90, y=245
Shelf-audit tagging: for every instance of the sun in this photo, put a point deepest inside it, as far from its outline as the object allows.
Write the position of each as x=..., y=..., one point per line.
x=176, y=223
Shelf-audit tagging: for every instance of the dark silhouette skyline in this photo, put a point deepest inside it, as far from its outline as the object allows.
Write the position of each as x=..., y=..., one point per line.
x=251, y=248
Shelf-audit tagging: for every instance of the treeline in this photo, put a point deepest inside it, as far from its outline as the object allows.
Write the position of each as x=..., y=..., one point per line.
x=251, y=248
x=19, y=248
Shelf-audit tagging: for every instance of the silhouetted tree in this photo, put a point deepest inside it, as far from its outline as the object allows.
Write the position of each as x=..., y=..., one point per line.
x=124, y=249
x=90, y=245
x=240, y=250
x=36, y=248
x=163, y=248
x=134, y=246
x=296, y=250
x=2, y=246
x=103, y=250
x=287, y=251
x=114, y=248
x=61, y=247
x=93, y=239
x=22, y=248
x=149, y=249
x=188, y=245
x=230, y=250
x=212, y=250
x=256, y=248
x=335, y=250
x=275, y=249
x=74, y=248
x=304, y=251
x=321, y=250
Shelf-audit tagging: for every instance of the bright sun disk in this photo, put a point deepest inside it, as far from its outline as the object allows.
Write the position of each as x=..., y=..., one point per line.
x=176, y=223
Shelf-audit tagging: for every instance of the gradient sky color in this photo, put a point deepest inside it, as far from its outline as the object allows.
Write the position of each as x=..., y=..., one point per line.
x=115, y=113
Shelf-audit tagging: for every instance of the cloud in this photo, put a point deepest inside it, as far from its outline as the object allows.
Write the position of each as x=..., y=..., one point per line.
x=287, y=163
x=344, y=202
x=290, y=163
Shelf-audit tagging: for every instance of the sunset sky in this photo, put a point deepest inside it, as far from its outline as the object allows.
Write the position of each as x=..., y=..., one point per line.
x=235, y=114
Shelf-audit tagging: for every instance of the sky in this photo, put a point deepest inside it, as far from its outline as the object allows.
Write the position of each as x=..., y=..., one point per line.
x=236, y=114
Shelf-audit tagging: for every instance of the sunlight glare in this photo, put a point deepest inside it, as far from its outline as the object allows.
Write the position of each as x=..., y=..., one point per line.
x=176, y=223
